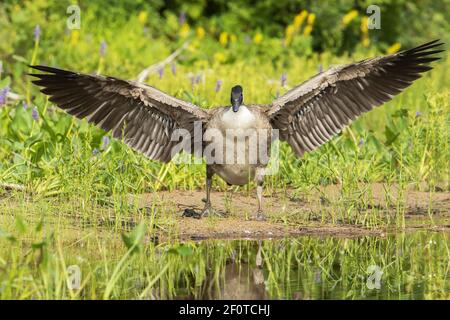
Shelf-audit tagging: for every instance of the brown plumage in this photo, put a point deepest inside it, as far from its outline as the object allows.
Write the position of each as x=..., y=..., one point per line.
x=307, y=116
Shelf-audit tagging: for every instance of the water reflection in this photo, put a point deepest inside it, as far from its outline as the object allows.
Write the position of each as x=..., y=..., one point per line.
x=404, y=266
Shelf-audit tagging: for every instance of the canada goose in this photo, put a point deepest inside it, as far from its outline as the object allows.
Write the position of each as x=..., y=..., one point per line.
x=307, y=116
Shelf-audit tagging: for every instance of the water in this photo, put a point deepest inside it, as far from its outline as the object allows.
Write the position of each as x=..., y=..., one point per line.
x=403, y=266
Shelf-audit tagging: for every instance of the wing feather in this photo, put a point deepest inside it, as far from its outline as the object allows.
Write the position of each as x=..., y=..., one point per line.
x=143, y=116
x=310, y=114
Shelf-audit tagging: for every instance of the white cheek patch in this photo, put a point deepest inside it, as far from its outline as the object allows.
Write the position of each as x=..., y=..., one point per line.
x=243, y=118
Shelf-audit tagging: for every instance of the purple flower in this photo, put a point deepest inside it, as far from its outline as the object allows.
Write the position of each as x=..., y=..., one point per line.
x=161, y=72
x=95, y=152
x=25, y=106
x=182, y=18
x=198, y=78
x=361, y=142
x=35, y=114
x=218, y=85
x=283, y=79
x=105, y=142
x=173, y=68
x=4, y=95
x=37, y=32
x=418, y=114
x=103, y=47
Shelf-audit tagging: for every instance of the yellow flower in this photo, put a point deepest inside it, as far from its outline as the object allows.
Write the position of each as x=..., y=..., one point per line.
x=200, y=33
x=142, y=17
x=365, y=41
x=298, y=20
x=74, y=36
x=258, y=38
x=394, y=48
x=364, y=24
x=289, y=30
x=311, y=19
x=307, y=31
x=223, y=38
x=349, y=17
x=184, y=31
x=219, y=57
x=233, y=38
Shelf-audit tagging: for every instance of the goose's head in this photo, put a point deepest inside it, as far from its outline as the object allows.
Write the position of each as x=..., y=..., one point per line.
x=237, y=98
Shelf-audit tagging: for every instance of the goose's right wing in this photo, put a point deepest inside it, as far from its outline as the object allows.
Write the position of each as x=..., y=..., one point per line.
x=141, y=115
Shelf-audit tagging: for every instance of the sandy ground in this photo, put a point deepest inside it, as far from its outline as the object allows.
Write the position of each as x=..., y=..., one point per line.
x=293, y=213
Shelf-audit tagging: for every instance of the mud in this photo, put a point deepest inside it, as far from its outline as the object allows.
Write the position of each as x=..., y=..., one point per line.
x=294, y=213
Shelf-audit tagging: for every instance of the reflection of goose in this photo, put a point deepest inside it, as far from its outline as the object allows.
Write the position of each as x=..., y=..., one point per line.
x=307, y=116
x=240, y=281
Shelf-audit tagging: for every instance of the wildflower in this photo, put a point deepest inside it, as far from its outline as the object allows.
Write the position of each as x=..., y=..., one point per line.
x=283, y=79
x=142, y=17
x=105, y=142
x=198, y=78
x=364, y=25
x=173, y=68
x=311, y=19
x=219, y=57
x=233, y=38
x=103, y=47
x=200, y=33
x=346, y=19
x=25, y=106
x=35, y=113
x=182, y=18
x=298, y=20
x=307, y=31
x=74, y=36
x=218, y=85
x=3, y=95
x=95, y=152
x=361, y=142
x=160, y=72
x=258, y=38
x=184, y=31
x=289, y=30
x=394, y=48
x=37, y=32
x=223, y=38
x=418, y=114
x=365, y=41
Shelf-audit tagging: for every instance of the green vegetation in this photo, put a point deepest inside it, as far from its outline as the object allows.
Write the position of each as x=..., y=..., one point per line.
x=68, y=168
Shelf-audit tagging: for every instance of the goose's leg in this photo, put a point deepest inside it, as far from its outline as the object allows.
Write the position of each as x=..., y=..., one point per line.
x=259, y=178
x=209, y=175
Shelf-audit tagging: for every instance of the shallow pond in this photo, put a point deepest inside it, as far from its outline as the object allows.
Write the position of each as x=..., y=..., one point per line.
x=403, y=266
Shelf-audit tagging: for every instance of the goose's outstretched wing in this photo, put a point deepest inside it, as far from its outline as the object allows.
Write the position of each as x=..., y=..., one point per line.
x=141, y=115
x=310, y=114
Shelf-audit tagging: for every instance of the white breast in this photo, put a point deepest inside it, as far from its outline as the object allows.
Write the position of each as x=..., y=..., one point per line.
x=241, y=119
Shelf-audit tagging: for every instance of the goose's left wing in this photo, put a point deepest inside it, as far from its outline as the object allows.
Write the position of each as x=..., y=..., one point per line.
x=312, y=113
x=143, y=116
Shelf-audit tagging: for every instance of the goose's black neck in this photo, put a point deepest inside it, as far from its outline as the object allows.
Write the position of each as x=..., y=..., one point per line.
x=237, y=97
